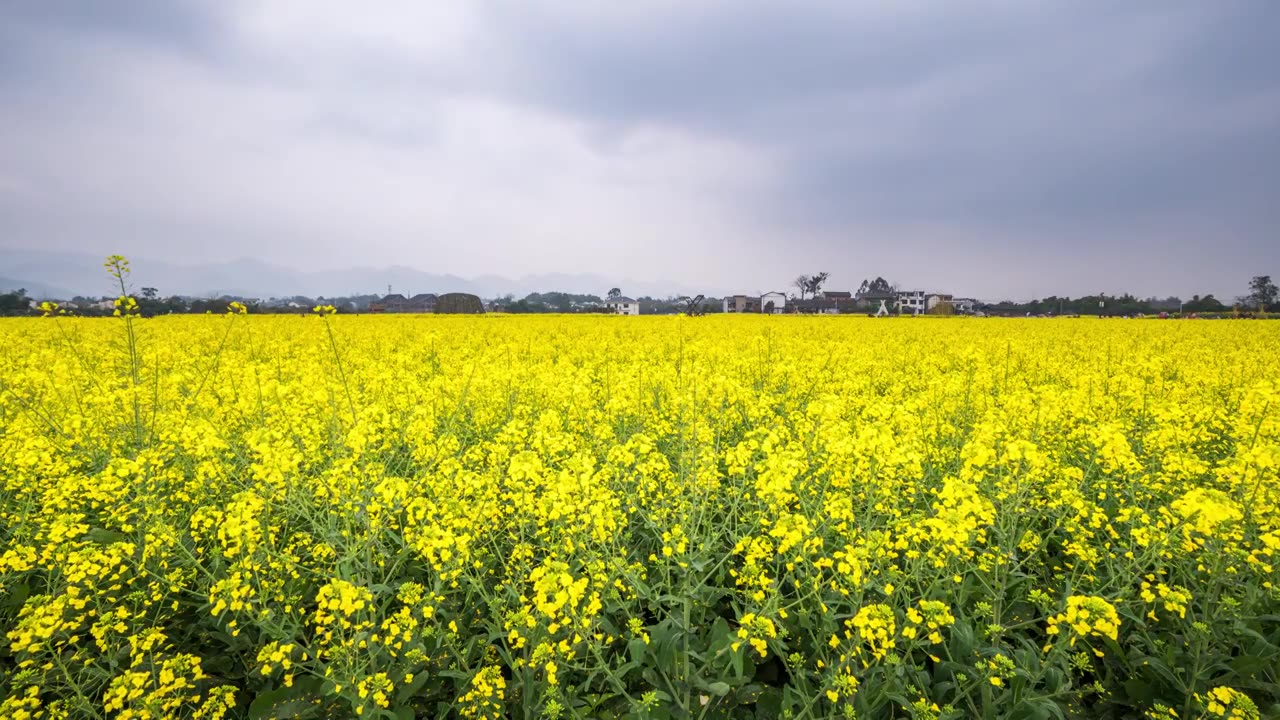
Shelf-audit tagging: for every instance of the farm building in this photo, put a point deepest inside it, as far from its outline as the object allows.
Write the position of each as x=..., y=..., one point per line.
x=741, y=304
x=773, y=302
x=397, y=303
x=458, y=304
x=622, y=306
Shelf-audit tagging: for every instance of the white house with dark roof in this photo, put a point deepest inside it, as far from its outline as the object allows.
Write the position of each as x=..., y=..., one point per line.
x=912, y=302
x=622, y=306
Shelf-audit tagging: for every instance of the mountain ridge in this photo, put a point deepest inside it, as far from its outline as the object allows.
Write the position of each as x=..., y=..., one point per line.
x=60, y=275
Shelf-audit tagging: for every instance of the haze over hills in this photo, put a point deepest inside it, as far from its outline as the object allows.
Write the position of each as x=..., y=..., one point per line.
x=62, y=275
x=34, y=289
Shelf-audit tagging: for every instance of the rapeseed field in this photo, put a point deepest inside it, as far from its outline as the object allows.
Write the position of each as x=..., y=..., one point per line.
x=637, y=517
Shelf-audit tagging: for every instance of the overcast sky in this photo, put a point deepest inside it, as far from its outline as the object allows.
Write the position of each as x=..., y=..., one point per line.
x=997, y=148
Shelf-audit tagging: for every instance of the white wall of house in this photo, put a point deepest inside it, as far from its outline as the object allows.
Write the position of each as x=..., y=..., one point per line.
x=623, y=307
x=778, y=299
x=912, y=302
x=935, y=300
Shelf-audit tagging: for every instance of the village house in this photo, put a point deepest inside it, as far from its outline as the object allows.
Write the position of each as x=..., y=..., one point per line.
x=397, y=303
x=622, y=306
x=816, y=306
x=389, y=303
x=741, y=304
x=964, y=306
x=773, y=302
x=934, y=300
x=422, y=302
x=912, y=302
x=872, y=302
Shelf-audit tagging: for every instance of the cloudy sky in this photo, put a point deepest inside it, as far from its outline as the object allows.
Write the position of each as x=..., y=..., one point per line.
x=999, y=148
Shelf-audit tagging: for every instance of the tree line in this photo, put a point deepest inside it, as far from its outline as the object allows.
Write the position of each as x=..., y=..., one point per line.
x=1263, y=296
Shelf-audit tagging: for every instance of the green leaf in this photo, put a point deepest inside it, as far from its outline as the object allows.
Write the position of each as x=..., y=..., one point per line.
x=1139, y=692
x=769, y=706
x=735, y=662
x=791, y=699
x=719, y=689
x=1054, y=679
x=303, y=700
x=404, y=692
x=636, y=649
x=103, y=536
x=1039, y=709
x=17, y=596
x=721, y=634
x=962, y=639
x=1156, y=668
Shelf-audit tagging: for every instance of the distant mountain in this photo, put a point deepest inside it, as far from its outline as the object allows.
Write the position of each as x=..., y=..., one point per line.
x=582, y=283
x=36, y=290
x=63, y=275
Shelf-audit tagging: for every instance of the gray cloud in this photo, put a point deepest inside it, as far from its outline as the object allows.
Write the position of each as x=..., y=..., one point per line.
x=991, y=147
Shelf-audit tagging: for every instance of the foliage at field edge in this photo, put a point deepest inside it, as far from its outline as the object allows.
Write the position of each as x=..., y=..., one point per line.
x=735, y=517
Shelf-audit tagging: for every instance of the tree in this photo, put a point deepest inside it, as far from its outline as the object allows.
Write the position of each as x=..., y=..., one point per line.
x=15, y=303
x=1208, y=303
x=815, y=283
x=615, y=293
x=878, y=286
x=1262, y=292
x=150, y=293
x=802, y=283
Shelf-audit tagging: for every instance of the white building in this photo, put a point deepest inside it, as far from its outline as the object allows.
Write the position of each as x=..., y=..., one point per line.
x=774, y=302
x=623, y=306
x=741, y=304
x=912, y=302
x=934, y=300
x=964, y=306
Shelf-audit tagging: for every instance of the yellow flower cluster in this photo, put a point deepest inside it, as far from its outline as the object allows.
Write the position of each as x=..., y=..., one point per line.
x=1225, y=702
x=875, y=626
x=1085, y=617
x=929, y=617
x=1174, y=599
x=485, y=694
x=756, y=631
x=999, y=669
x=341, y=609
x=502, y=516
